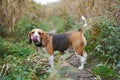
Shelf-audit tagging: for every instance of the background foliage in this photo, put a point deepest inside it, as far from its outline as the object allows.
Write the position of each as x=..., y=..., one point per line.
x=102, y=33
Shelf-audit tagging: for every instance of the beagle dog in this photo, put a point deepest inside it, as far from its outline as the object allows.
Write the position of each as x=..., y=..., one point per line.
x=61, y=42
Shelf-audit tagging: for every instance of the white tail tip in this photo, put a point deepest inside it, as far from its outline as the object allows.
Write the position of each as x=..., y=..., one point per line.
x=83, y=17
x=85, y=22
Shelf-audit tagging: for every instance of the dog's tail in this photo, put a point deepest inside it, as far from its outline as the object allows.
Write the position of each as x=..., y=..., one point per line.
x=85, y=24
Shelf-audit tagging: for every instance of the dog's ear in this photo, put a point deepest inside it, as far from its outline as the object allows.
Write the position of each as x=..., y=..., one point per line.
x=29, y=36
x=45, y=38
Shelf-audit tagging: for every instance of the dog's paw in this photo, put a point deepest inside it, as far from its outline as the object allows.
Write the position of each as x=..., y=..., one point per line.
x=80, y=68
x=50, y=70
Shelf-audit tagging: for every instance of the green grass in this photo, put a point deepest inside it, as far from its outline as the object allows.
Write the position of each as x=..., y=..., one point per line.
x=105, y=72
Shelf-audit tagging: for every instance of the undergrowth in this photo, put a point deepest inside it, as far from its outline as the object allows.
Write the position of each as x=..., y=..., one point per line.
x=19, y=61
x=103, y=42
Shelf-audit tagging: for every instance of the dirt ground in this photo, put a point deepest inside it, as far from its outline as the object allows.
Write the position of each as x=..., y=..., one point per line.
x=67, y=69
x=70, y=71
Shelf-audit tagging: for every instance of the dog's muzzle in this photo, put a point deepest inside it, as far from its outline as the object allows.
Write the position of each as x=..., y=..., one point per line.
x=37, y=43
x=34, y=38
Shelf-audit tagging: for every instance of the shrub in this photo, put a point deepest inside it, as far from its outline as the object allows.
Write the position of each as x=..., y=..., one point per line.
x=107, y=40
x=23, y=27
x=17, y=49
x=104, y=72
x=18, y=68
x=103, y=40
x=20, y=62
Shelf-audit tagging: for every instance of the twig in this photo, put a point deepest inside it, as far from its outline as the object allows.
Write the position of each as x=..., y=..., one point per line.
x=119, y=77
x=89, y=70
x=2, y=70
x=97, y=76
x=85, y=76
x=6, y=70
x=73, y=64
x=107, y=61
x=69, y=57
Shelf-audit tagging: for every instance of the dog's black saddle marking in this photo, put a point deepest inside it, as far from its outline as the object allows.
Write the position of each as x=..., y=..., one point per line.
x=60, y=42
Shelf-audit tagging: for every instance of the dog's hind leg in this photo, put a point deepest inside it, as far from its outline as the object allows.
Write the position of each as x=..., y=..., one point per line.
x=81, y=55
x=82, y=60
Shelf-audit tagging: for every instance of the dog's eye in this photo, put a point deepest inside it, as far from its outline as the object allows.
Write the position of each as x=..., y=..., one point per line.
x=32, y=32
x=39, y=32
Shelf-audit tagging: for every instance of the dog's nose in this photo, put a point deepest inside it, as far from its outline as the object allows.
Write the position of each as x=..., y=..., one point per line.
x=35, y=38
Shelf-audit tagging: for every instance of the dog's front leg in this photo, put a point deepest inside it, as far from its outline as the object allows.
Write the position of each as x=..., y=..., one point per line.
x=51, y=61
x=50, y=51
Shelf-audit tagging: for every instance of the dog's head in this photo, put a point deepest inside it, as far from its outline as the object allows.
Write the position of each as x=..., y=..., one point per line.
x=38, y=37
